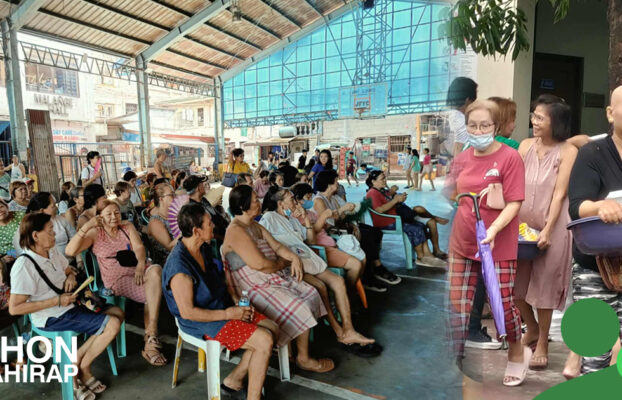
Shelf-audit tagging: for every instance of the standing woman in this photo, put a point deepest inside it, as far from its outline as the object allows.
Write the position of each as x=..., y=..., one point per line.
x=160, y=168
x=236, y=163
x=325, y=164
x=486, y=162
x=507, y=121
x=542, y=283
x=17, y=169
x=415, y=168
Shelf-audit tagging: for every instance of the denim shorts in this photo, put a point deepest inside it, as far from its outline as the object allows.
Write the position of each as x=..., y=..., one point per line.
x=78, y=320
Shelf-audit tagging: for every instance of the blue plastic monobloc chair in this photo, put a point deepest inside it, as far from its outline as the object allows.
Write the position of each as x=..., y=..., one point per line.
x=92, y=269
x=399, y=230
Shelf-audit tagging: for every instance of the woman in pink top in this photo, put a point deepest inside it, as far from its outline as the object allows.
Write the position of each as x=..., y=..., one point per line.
x=427, y=169
x=542, y=283
x=484, y=163
x=262, y=185
x=116, y=243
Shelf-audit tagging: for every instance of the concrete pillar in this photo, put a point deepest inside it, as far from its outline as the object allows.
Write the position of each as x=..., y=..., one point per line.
x=142, y=86
x=10, y=46
x=221, y=111
x=506, y=78
x=217, y=149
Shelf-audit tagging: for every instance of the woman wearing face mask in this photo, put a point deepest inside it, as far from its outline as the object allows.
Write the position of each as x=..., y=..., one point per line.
x=124, y=268
x=282, y=219
x=486, y=162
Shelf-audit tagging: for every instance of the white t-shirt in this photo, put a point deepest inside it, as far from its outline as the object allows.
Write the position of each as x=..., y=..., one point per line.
x=292, y=234
x=135, y=196
x=457, y=125
x=25, y=280
x=87, y=173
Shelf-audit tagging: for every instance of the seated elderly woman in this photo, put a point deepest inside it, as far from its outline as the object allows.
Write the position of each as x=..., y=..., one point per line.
x=44, y=202
x=75, y=210
x=94, y=198
x=272, y=275
x=196, y=294
x=124, y=268
x=386, y=202
x=19, y=194
x=281, y=219
x=160, y=237
x=52, y=308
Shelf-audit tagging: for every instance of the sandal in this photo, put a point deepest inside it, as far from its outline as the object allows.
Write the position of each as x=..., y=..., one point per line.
x=154, y=339
x=324, y=365
x=152, y=354
x=366, y=351
x=538, y=363
x=82, y=393
x=516, y=370
x=95, y=385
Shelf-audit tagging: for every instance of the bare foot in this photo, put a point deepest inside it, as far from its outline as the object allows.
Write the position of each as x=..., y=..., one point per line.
x=572, y=369
x=442, y=221
x=353, y=336
x=233, y=384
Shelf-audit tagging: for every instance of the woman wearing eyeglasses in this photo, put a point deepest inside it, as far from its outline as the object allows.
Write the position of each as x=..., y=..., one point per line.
x=495, y=171
x=542, y=283
x=162, y=241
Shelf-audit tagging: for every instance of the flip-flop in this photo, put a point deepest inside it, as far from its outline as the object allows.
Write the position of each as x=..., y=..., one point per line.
x=232, y=393
x=325, y=365
x=93, y=383
x=518, y=370
x=366, y=351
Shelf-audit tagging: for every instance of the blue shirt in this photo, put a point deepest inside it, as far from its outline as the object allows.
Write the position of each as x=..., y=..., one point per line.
x=209, y=287
x=317, y=168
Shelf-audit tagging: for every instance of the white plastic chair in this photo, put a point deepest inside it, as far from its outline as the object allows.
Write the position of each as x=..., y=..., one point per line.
x=209, y=352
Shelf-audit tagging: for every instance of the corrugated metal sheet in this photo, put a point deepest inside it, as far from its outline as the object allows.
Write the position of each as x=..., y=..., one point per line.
x=130, y=26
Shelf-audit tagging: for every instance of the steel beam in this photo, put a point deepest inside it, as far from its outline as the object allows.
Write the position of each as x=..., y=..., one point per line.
x=24, y=12
x=314, y=8
x=182, y=30
x=225, y=76
x=281, y=13
x=142, y=85
x=10, y=47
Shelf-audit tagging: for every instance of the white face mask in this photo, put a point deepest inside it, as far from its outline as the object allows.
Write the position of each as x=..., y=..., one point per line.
x=481, y=142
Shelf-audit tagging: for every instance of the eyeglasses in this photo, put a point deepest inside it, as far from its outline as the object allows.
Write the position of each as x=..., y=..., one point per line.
x=483, y=127
x=537, y=118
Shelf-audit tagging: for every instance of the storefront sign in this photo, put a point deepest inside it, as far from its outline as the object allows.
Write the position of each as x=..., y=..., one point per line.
x=58, y=105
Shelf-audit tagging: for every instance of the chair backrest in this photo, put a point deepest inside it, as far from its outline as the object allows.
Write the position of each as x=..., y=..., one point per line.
x=143, y=215
x=91, y=267
x=367, y=218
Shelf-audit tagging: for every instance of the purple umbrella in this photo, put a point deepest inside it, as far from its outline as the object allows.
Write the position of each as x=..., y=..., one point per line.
x=488, y=267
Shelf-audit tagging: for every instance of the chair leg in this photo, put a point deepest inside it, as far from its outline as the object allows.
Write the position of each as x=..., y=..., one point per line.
x=213, y=370
x=113, y=364
x=228, y=355
x=408, y=250
x=284, y=363
x=66, y=387
x=201, y=357
x=121, y=345
x=178, y=348
x=361, y=291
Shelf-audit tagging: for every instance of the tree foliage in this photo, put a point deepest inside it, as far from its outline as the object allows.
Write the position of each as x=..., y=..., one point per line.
x=493, y=27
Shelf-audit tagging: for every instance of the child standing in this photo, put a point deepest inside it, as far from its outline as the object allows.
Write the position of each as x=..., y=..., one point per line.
x=415, y=168
x=351, y=168
x=427, y=169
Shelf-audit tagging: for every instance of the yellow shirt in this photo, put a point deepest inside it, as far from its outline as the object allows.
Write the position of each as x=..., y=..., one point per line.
x=238, y=168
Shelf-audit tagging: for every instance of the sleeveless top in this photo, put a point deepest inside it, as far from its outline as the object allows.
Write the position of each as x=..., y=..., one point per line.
x=330, y=204
x=158, y=252
x=16, y=173
x=235, y=261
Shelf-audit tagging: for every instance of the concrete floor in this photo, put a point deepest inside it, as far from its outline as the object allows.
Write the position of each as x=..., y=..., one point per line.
x=408, y=320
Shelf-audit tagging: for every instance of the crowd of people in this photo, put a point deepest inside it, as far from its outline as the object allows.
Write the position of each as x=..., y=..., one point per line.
x=282, y=237
x=545, y=182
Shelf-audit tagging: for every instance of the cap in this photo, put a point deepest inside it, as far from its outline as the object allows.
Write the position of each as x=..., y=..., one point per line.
x=193, y=181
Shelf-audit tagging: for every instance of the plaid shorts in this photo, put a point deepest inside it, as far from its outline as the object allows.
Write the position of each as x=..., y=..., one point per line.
x=463, y=274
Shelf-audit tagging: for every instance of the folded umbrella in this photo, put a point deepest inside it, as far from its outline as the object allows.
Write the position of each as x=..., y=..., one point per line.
x=488, y=268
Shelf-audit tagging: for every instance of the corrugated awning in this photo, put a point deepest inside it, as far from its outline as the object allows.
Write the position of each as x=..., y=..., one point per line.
x=273, y=141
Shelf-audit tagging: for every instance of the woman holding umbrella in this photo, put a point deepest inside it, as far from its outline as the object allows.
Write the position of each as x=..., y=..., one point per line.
x=495, y=172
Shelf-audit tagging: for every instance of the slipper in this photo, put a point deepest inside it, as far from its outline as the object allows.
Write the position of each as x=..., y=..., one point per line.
x=93, y=384
x=232, y=393
x=367, y=351
x=538, y=366
x=325, y=365
x=82, y=393
x=518, y=370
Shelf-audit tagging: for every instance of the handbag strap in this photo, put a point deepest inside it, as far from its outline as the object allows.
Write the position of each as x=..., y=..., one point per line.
x=42, y=274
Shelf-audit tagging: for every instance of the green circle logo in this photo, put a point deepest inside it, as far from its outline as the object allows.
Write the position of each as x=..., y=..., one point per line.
x=590, y=328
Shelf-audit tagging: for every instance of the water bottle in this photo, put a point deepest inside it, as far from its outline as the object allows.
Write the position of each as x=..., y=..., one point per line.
x=244, y=300
x=106, y=292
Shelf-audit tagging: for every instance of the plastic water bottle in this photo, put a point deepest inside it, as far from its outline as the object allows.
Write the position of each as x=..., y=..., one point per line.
x=244, y=300
x=106, y=292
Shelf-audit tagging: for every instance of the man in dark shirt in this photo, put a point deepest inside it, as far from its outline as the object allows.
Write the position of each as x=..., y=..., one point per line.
x=194, y=186
x=289, y=173
x=302, y=161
